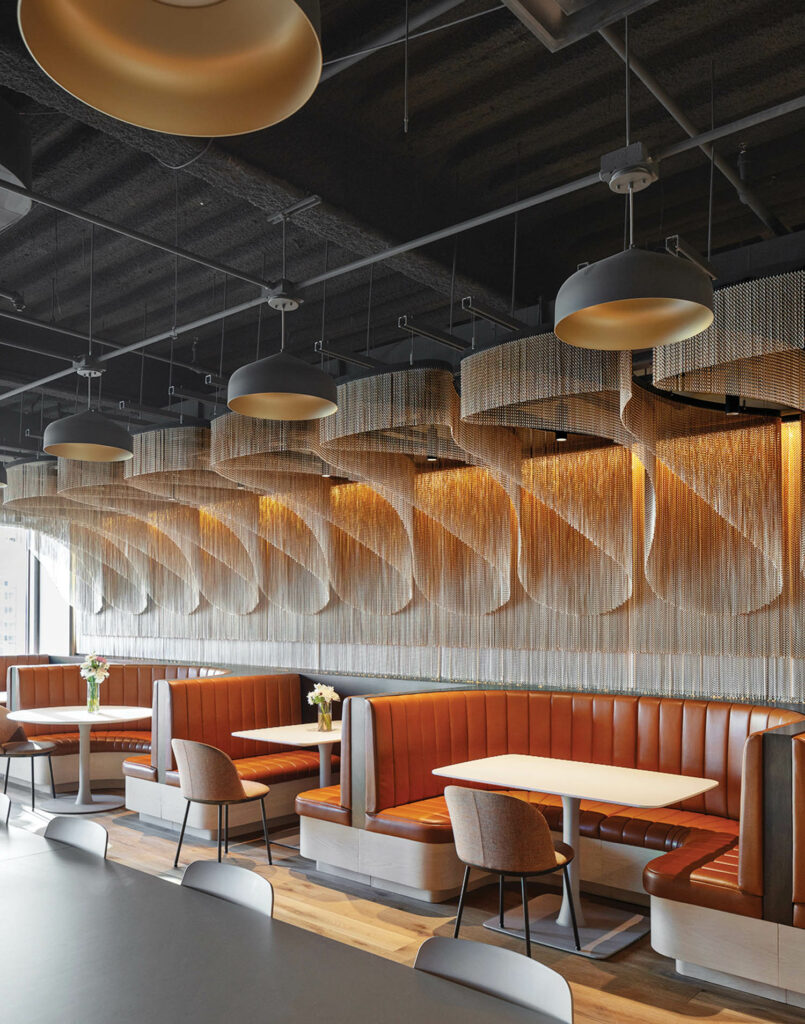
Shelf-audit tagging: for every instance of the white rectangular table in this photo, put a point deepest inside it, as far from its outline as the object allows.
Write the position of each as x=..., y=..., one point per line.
x=305, y=734
x=603, y=929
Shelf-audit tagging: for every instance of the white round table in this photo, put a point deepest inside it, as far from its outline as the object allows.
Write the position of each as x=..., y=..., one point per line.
x=84, y=802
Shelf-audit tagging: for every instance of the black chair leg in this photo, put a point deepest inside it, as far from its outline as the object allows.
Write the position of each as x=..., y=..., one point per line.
x=181, y=835
x=226, y=829
x=526, y=925
x=33, y=787
x=220, y=828
x=52, y=783
x=462, y=894
x=8, y=769
x=500, y=899
x=265, y=830
x=569, y=892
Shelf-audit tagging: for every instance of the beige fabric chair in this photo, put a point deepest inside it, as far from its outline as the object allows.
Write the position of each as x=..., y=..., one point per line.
x=231, y=883
x=501, y=973
x=207, y=775
x=82, y=833
x=507, y=836
x=14, y=743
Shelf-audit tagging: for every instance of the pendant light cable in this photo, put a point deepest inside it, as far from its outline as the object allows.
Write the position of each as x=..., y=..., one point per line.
x=407, y=39
x=516, y=228
x=324, y=298
x=369, y=307
x=712, y=162
x=260, y=315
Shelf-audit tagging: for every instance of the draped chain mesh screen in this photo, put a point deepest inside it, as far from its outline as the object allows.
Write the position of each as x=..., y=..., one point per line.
x=660, y=549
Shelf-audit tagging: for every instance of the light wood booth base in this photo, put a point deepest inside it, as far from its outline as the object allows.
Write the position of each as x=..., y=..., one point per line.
x=162, y=805
x=745, y=953
x=107, y=771
x=432, y=871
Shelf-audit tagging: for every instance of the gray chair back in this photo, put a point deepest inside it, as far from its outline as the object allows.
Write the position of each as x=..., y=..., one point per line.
x=231, y=883
x=206, y=774
x=81, y=833
x=499, y=832
x=499, y=972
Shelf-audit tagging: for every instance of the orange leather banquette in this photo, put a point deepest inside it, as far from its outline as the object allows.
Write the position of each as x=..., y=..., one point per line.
x=7, y=660
x=410, y=735
x=42, y=686
x=333, y=803
x=210, y=710
x=799, y=830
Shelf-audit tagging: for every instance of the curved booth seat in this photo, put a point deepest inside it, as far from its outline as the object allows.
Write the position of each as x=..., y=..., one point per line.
x=210, y=711
x=52, y=685
x=398, y=835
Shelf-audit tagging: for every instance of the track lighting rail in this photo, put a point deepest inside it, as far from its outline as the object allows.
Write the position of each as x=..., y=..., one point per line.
x=406, y=323
x=366, y=362
x=511, y=323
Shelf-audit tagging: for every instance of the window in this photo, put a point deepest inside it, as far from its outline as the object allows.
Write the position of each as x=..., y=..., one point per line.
x=14, y=572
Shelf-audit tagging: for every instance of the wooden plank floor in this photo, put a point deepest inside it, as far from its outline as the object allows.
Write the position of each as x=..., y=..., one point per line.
x=635, y=987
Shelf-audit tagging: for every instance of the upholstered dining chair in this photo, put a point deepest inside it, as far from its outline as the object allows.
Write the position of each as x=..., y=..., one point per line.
x=5, y=809
x=501, y=973
x=82, y=833
x=231, y=883
x=208, y=775
x=14, y=743
x=508, y=837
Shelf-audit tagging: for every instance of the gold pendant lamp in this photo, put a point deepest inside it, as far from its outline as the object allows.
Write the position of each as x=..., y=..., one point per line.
x=206, y=68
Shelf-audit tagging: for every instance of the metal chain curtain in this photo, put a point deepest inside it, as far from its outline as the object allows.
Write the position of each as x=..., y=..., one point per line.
x=417, y=533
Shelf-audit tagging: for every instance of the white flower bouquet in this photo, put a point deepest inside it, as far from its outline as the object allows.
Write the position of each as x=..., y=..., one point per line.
x=323, y=696
x=94, y=669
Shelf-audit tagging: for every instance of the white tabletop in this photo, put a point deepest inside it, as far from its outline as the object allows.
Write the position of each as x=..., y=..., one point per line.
x=78, y=715
x=631, y=787
x=304, y=735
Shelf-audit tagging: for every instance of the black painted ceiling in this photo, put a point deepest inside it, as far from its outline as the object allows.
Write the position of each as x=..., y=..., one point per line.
x=493, y=115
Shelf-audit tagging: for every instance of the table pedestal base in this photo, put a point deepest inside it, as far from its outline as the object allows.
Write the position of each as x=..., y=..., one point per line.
x=606, y=930
x=68, y=805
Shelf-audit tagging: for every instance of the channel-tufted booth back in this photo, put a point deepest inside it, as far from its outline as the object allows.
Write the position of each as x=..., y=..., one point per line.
x=412, y=734
x=43, y=686
x=211, y=710
x=798, y=750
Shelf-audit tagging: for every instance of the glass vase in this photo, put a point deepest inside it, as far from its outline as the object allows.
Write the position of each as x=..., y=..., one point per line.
x=93, y=696
x=325, y=717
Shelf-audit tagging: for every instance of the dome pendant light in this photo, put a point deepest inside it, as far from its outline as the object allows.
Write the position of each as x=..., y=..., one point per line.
x=282, y=387
x=88, y=436
x=635, y=299
x=205, y=68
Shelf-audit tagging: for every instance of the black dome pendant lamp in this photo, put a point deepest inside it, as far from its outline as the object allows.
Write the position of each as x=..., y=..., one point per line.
x=635, y=299
x=88, y=436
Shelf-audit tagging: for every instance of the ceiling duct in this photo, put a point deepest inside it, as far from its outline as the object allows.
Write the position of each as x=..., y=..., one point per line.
x=558, y=23
x=15, y=165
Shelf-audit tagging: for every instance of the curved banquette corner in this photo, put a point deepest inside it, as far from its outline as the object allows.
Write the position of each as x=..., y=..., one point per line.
x=407, y=736
x=54, y=685
x=210, y=711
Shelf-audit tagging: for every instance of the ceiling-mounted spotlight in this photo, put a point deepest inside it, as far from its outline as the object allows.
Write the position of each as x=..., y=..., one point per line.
x=89, y=437
x=326, y=470
x=732, y=405
x=186, y=67
x=561, y=435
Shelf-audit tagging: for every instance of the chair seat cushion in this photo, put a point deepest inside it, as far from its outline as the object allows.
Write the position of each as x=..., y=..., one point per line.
x=123, y=741
x=661, y=828
x=324, y=804
x=26, y=748
x=428, y=821
x=703, y=872
x=285, y=766
x=140, y=767
x=253, y=790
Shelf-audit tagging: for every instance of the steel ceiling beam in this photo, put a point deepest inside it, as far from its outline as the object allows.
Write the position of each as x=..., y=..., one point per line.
x=745, y=194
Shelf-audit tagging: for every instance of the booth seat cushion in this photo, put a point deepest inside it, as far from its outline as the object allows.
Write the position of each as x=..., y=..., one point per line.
x=271, y=768
x=703, y=872
x=661, y=828
x=323, y=804
x=140, y=767
x=133, y=741
x=428, y=821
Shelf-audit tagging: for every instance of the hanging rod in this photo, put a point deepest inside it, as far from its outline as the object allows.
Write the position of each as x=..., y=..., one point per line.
x=135, y=236
x=406, y=323
x=511, y=323
x=364, y=361
x=540, y=198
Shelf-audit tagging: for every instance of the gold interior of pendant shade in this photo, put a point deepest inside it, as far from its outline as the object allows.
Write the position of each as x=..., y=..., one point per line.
x=634, y=323
x=281, y=405
x=206, y=70
x=89, y=452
